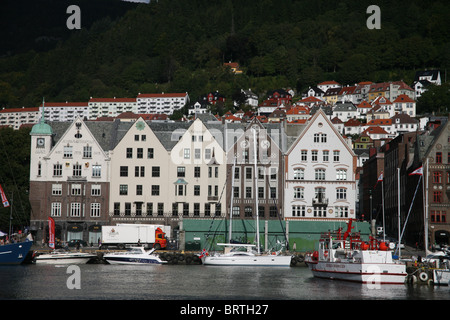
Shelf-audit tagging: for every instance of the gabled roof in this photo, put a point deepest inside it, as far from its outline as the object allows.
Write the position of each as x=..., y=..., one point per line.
x=380, y=122
x=364, y=105
x=319, y=113
x=403, y=118
x=403, y=98
x=352, y=123
x=374, y=130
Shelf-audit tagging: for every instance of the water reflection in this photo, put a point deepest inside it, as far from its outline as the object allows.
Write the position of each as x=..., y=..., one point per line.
x=180, y=282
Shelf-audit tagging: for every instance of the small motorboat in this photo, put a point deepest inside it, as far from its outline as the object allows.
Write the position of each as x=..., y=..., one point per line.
x=135, y=255
x=64, y=257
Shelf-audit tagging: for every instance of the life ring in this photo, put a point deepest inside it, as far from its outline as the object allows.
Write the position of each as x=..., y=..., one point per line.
x=325, y=253
x=423, y=276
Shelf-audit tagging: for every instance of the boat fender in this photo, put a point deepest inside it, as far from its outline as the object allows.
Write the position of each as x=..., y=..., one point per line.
x=423, y=276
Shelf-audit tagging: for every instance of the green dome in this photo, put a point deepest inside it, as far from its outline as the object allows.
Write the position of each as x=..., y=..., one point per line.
x=41, y=128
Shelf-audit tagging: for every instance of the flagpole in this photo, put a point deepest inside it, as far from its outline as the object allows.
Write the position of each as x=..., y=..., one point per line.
x=382, y=202
x=426, y=212
x=399, y=248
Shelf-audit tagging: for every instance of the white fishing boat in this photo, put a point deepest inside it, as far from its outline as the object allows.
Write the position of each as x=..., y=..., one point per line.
x=135, y=255
x=246, y=254
x=64, y=257
x=344, y=256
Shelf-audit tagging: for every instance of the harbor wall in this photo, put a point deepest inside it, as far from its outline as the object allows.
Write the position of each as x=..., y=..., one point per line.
x=201, y=234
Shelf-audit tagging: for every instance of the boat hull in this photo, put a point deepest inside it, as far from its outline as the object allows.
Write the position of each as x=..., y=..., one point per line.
x=132, y=260
x=277, y=261
x=441, y=277
x=14, y=253
x=63, y=259
x=370, y=273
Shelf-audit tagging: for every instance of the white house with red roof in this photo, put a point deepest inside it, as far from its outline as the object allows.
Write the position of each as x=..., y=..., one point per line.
x=362, y=109
x=404, y=104
x=376, y=133
x=297, y=113
x=324, y=86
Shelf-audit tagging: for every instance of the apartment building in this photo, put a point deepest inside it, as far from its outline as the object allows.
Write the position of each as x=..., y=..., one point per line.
x=110, y=107
x=16, y=117
x=64, y=111
x=161, y=102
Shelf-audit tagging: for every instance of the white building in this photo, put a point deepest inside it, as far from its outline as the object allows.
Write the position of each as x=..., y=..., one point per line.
x=320, y=173
x=16, y=117
x=69, y=179
x=110, y=107
x=161, y=102
x=64, y=111
x=167, y=171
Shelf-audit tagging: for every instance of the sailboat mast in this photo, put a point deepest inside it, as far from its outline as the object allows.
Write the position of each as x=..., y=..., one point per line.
x=256, y=188
x=382, y=202
x=398, y=188
x=232, y=195
x=425, y=212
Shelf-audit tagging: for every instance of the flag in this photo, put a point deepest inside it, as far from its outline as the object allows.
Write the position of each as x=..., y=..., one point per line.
x=418, y=171
x=4, y=200
x=51, y=233
x=203, y=254
x=380, y=178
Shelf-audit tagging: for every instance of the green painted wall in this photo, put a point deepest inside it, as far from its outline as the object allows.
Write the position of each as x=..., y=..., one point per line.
x=201, y=234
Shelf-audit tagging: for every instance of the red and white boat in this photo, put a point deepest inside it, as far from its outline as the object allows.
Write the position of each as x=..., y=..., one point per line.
x=344, y=256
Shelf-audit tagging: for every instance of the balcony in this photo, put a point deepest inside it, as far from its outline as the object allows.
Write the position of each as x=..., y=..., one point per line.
x=320, y=201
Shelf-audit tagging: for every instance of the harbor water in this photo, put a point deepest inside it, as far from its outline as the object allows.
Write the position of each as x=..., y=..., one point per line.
x=192, y=282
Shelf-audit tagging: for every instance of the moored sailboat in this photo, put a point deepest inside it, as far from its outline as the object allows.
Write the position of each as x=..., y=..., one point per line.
x=236, y=254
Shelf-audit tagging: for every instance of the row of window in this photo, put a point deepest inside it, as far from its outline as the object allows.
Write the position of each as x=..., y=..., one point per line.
x=77, y=170
x=76, y=189
x=300, y=211
x=437, y=177
x=74, y=209
x=439, y=156
x=208, y=209
x=299, y=193
x=438, y=216
x=325, y=155
x=319, y=174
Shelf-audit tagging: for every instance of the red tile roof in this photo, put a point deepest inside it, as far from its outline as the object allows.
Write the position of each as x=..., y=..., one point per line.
x=403, y=98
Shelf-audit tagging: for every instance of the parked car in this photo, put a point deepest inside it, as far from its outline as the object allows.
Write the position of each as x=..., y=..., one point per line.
x=73, y=243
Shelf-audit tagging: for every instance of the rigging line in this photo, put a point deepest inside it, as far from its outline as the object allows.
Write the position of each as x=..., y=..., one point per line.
x=14, y=209
x=214, y=217
x=278, y=214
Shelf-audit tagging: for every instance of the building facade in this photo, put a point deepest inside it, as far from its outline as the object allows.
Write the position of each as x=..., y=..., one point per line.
x=320, y=174
x=165, y=103
x=69, y=181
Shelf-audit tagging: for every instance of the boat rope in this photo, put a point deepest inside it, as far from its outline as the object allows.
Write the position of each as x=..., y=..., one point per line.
x=409, y=211
x=13, y=178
